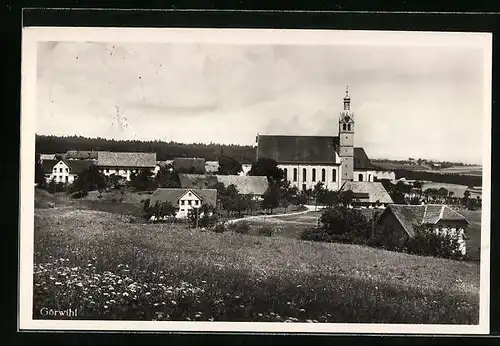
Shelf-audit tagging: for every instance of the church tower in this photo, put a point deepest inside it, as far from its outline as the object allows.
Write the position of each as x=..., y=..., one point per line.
x=346, y=139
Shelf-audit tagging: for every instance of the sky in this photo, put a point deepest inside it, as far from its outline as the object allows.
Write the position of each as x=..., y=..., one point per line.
x=407, y=101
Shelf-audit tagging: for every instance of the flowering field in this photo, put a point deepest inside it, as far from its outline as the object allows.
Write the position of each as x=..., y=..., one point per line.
x=106, y=268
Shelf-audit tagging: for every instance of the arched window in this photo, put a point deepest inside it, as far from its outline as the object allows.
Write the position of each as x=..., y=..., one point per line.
x=360, y=177
x=344, y=126
x=295, y=174
x=334, y=175
x=285, y=173
x=314, y=174
x=304, y=174
x=369, y=177
x=323, y=174
x=348, y=127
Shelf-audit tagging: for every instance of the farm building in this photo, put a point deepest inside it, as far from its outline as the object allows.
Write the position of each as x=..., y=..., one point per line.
x=184, y=199
x=81, y=155
x=125, y=163
x=333, y=160
x=63, y=171
x=400, y=220
x=246, y=185
x=367, y=194
x=189, y=165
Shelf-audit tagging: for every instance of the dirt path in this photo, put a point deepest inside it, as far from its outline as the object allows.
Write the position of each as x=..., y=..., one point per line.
x=262, y=217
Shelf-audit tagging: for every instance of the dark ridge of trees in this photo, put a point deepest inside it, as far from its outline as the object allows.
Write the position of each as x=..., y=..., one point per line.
x=451, y=178
x=164, y=150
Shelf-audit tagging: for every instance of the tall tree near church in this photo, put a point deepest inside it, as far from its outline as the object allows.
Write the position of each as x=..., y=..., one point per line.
x=229, y=166
x=269, y=168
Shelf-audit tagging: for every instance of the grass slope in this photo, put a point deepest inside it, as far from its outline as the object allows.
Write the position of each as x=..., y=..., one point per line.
x=110, y=269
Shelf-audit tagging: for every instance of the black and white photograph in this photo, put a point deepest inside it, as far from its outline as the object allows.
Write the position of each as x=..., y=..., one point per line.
x=255, y=180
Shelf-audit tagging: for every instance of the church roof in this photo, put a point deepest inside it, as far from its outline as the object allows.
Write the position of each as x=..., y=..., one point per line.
x=298, y=149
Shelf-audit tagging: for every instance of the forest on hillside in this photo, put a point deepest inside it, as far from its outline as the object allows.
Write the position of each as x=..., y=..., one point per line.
x=164, y=150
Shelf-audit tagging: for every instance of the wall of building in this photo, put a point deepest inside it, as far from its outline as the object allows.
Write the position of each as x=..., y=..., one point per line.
x=384, y=175
x=332, y=179
x=456, y=230
x=186, y=203
x=124, y=172
x=392, y=229
x=61, y=174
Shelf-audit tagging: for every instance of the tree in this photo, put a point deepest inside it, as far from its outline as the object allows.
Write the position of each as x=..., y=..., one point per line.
x=269, y=168
x=342, y=220
x=229, y=166
x=39, y=173
x=242, y=203
x=271, y=198
x=318, y=192
x=143, y=180
x=167, y=177
x=89, y=179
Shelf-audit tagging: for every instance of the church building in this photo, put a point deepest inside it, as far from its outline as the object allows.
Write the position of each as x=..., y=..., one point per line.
x=332, y=160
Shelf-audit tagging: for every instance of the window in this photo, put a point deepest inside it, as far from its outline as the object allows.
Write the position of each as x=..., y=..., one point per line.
x=60, y=178
x=189, y=202
x=344, y=127
x=369, y=177
x=314, y=174
x=196, y=202
x=55, y=169
x=295, y=174
x=67, y=169
x=323, y=174
x=334, y=175
x=304, y=174
x=60, y=170
x=285, y=173
x=360, y=177
x=182, y=209
x=182, y=202
x=67, y=178
x=348, y=127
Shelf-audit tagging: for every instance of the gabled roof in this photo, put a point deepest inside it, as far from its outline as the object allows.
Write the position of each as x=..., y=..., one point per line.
x=251, y=185
x=81, y=155
x=191, y=165
x=296, y=149
x=126, y=159
x=361, y=160
x=75, y=166
x=410, y=215
x=172, y=195
x=370, y=192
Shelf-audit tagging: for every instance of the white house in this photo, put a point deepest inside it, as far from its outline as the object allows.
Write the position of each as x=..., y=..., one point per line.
x=125, y=163
x=63, y=171
x=332, y=160
x=184, y=199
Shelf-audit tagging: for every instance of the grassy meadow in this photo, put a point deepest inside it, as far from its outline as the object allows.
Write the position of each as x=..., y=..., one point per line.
x=108, y=268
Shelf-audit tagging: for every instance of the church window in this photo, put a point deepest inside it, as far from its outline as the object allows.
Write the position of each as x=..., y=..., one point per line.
x=360, y=177
x=285, y=173
x=334, y=175
x=314, y=174
x=295, y=174
x=323, y=174
x=304, y=174
x=369, y=177
x=349, y=127
x=344, y=126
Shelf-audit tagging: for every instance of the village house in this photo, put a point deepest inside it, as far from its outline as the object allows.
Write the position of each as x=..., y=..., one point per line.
x=254, y=186
x=63, y=171
x=399, y=220
x=125, y=163
x=184, y=199
x=367, y=194
x=332, y=160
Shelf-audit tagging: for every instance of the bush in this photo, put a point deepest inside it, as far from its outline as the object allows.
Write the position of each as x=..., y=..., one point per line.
x=241, y=227
x=429, y=243
x=265, y=231
x=219, y=228
x=79, y=194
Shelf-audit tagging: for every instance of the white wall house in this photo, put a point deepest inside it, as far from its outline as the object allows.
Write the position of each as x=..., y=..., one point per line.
x=63, y=171
x=184, y=199
x=125, y=163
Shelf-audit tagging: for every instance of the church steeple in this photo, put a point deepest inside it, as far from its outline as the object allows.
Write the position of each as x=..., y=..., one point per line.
x=347, y=99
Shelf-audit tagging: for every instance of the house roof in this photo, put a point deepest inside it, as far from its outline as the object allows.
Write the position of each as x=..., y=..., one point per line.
x=75, y=166
x=410, y=215
x=291, y=149
x=361, y=160
x=189, y=164
x=47, y=157
x=211, y=166
x=126, y=159
x=172, y=195
x=81, y=154
x=247, y=185
x=371, y=192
